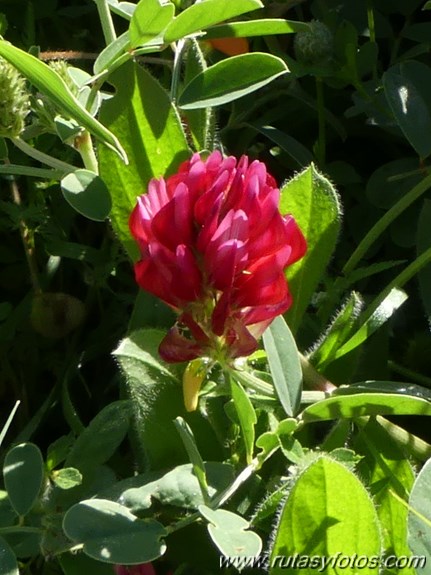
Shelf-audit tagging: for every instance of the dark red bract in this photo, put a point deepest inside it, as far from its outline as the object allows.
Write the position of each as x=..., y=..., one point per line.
x=214, y=246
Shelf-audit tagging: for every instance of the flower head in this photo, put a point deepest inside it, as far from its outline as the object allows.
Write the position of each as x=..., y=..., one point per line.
x=214, y=247
x=14, y=100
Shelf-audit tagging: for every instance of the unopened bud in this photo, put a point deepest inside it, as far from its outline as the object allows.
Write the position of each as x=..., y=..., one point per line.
x=193, y=377
x=14, y=100
x=316, y=46
x=54, y=315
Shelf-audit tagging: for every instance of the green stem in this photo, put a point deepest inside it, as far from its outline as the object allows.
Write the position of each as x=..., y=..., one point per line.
x=321, y=145
x=372, y=29
x=176, y=71
x=106, y=21
x=26, y=238
x=384, y=222
x=222, y=497
x=20, y=529
x=84, y=145
x=414, y=445
x=312, y=379
x=42, y=157
x=410, y=374
x=252, y=382
x=371, y=25
x=9, y=421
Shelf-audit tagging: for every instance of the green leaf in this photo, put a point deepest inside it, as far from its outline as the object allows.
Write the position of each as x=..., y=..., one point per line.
x=99, y=441
x=157, y=399
x=200, y=122
x=387, y=469
x=8, y=563
x=8, y=422
x=179, y=487
x=196, y=460
x=272, y=440
x=87, y=193
x=337, y=333
x=110, y=533
x=246, y=415
x=17, y=170
x=284, y=364
x=123, y=9
x=110, y=55
x=419, y=519
x=424, y=243
x=291, y=146
x=400, y=387
x=229, y=533
x=261, y=27
x=314, y=203
x=207, y=13
x=384, y=311
x=58, y=450
x=231, y=79
x=142, y=115
x=149, y=20
x=328, y=512
x=409, y=106
x=23, y=476
x=52, y=85
x=67, y=478
x=356, y=405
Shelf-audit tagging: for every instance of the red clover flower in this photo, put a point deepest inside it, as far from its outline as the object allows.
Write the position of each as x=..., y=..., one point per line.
x=214, y=247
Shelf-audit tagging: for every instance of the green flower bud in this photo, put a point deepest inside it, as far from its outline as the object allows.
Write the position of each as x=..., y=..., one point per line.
x=55, y=315
x=62, y=69
x=14, y=100
x=316, y=46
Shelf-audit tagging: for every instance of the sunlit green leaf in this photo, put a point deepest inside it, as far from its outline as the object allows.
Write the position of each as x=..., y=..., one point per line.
x=142, y=115
x=384, y=311
x=207, y=13
x=149, y=20
x=53, y=86
x=360, y=404
x=231, y=79
x=328, y=512
x=261, y=27
x=246, y=415
x=284, y=364
x=419, y=520
x=313, y=202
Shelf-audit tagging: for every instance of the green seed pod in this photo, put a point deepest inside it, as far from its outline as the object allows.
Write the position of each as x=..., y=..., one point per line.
x=316, y=46
x=54, y=315
x=14, y=100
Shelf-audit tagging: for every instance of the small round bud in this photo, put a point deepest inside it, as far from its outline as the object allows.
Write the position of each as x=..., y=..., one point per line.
x=316, y=46
x=14, y=100
x=193, y=378
x=55, y=315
